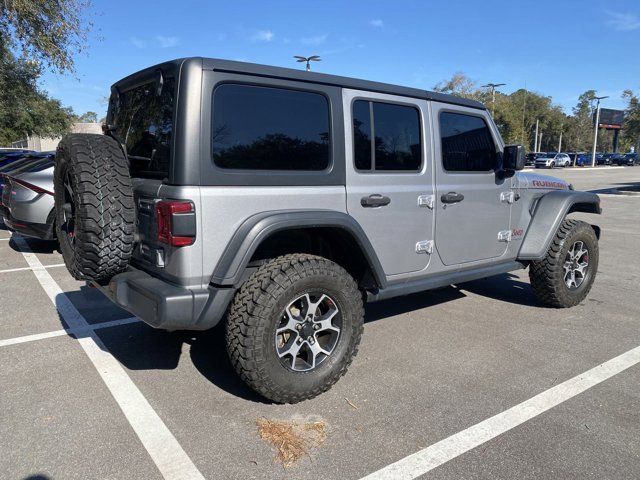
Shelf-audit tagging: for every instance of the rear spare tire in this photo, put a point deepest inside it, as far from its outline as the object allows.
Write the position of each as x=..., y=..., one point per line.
x=94, y=206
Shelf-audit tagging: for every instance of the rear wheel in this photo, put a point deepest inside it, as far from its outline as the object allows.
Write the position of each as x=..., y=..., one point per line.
x=94, y=206
x=294, y=327
x=565, y=276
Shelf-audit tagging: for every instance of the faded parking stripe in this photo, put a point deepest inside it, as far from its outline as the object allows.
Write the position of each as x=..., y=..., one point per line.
x=162, y=446
x=66, y=331
x=451, y=447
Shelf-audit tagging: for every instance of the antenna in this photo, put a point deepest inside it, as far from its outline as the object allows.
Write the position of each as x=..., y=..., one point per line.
x=312, y=58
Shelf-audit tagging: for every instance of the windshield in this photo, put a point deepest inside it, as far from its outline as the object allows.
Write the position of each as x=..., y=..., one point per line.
x=549, y=155
x=143, y=121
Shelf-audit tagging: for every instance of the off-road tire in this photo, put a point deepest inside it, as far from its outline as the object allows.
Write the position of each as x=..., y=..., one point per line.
x=256, y=310
x=104, y=220
x=547, y=275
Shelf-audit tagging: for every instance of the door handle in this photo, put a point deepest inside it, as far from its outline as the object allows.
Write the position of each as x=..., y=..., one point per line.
x=451, y=197
x=375, y=200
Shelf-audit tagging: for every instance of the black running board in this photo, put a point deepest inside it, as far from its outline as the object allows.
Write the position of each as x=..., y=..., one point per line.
x=442, y=280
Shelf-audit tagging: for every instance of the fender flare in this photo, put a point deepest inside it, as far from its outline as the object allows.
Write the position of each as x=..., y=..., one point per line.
x=255, y=229
x=550, y=211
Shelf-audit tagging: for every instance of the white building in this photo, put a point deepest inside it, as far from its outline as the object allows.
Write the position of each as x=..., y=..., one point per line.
x=40, y=144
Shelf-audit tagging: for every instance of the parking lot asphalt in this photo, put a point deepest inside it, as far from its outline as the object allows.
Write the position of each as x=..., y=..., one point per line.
x=125, y=401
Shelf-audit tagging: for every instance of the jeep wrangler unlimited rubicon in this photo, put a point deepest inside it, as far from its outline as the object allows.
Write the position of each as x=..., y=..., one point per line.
x=282, y=200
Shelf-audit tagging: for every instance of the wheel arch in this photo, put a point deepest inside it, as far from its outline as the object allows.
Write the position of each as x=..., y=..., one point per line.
x=259, y=234
x=549, y=212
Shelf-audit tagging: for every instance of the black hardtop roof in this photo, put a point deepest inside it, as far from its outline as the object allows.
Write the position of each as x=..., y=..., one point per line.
x=301, y=76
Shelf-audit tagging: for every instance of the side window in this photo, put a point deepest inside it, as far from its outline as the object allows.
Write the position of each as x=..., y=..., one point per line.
x=386, y=137
x=467, y=144
x=264, y=128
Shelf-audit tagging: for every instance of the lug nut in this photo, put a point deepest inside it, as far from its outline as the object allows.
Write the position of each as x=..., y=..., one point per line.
x=316, y=327
x=310, y=340
x=299, y=340
x=299, y=326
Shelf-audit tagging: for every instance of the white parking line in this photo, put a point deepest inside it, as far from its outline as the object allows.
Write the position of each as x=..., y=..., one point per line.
x=162, y=446
x=67, y=331
x=21, y=269
x=451, y=447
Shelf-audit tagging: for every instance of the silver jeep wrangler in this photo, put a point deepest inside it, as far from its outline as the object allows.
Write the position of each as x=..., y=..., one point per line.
x=282, y=200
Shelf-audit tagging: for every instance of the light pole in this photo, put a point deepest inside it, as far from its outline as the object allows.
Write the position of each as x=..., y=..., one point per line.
x=493, y=87
x=595, y=134
x=560, y=141
x=312, y=58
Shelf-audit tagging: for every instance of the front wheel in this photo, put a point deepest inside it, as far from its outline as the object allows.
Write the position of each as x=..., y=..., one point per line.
x=565, y=276
x=294, y=327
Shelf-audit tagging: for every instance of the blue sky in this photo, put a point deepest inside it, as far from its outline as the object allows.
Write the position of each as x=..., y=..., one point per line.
x=559, y=48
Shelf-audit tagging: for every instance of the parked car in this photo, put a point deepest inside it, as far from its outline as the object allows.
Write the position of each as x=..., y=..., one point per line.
x=605, y=159
x=552, y=159
x=239, y=194
x=27, y=204
x=7, y=151
x=8, y=158
x=625, y=159
x=530, y=158
x=22, y=163
x=634, y=156
x=579, y=159
x=600, y=159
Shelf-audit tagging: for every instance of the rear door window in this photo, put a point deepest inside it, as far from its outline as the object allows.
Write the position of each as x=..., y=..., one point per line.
x=386, y=137
x=266, y=128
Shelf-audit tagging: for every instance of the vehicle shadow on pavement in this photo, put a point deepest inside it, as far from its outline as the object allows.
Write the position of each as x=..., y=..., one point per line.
x=138, y=346
x=409, y=303
x=35, y=245
x=631, y=186
x=505, y=288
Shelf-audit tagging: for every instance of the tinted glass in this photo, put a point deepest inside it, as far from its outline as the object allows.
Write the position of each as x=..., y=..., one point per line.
x=397, y=137
x=397, y=132
x=362, y=135
x=264, y=128
x=144, y=123
x=467, y=144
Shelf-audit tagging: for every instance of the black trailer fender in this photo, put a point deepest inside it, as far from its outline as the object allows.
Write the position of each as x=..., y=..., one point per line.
x=550, y=211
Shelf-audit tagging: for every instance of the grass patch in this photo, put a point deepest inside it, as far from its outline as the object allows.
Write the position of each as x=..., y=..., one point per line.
x=291, y=440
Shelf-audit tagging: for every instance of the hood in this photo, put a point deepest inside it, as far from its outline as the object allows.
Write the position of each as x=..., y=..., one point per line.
x=530, y=180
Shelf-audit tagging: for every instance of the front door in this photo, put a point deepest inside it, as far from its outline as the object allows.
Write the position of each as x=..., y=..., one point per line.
x=389, y=177
x=472, y=202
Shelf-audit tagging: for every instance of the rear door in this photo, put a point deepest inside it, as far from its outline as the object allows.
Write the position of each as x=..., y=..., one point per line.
x=389, y=177
x=472, y=203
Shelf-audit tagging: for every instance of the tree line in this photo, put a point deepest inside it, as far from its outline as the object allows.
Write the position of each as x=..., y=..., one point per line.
x=516, y=115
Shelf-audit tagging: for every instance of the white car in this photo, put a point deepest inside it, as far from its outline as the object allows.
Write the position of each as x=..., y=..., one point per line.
x=551, y=160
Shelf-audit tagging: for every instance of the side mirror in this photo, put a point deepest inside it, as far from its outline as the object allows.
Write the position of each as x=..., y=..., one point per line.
x=513, y=158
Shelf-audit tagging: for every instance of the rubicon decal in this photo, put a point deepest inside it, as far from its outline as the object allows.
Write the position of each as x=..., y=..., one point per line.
x=549, y=184
x=517, y=233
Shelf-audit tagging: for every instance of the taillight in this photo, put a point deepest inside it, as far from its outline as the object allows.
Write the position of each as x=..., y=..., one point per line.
x=176, y=221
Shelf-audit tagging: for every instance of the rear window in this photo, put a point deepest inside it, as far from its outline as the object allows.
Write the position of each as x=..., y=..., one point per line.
x=144, y=123
x=265, y=128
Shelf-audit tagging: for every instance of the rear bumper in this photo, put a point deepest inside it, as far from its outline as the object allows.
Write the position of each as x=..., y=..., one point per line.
x=165, y=305
x=43, y=231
